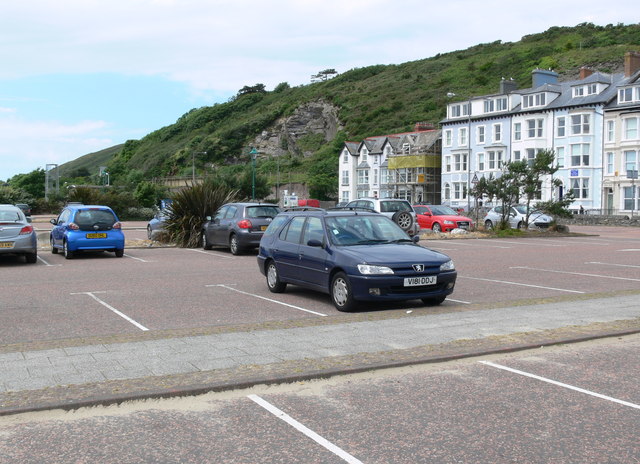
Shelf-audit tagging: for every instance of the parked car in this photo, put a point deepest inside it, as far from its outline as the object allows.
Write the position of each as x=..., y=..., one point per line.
x=354, y=256
x=155, y=226
x=26, y=209
x=17, y=236
x=441, y=218
x=86, y=228
x=238, y=226
x=516, y=218
x=400, y=211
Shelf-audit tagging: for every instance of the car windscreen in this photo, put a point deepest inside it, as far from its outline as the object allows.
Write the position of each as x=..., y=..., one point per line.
x=443, y=211
x=363, y=230
x=262, y=211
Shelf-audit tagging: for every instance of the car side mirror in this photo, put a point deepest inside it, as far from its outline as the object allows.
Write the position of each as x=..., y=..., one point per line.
x=314, y=242
x=54, y=222
x=428, y=214
x=415, y=238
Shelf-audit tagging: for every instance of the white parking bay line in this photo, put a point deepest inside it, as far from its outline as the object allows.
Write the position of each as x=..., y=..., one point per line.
x=305, y=430
x=612, y=264
x=111, y=308
x=210, y=253
x=576, y=273
x=137, y=259
x=267, y=299
x=47, y=263
x=520, y=284
x=560, y=384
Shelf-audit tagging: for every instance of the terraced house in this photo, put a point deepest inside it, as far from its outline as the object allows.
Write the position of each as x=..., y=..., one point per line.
x=405, y=165
x=591, y=123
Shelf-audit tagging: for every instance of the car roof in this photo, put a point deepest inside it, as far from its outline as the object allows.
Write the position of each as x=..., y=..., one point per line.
x=339, y=211
x=10, y=207
x=247, y=203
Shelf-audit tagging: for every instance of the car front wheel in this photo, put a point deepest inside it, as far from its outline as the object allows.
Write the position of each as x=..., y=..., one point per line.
x=273, y=279
x=234, y=246
x=433, y=301
x=341, y=294
x=488, y=225
x=437, y=227
x=205, y=243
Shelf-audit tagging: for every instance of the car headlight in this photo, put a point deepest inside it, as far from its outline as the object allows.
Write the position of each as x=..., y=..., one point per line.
x=368, y=269
x=449, y=222
x=448, y=266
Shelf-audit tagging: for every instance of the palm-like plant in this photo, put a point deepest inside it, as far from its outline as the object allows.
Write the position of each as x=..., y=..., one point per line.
x=190, y=207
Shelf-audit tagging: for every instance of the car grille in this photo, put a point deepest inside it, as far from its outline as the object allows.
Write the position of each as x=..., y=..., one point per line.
x=397, y=290
x=542, y=225
x=463, y=224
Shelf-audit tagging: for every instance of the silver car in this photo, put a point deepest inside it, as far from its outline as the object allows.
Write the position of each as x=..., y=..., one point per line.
x=17, y=236
x=516, y=218
x=400, y=211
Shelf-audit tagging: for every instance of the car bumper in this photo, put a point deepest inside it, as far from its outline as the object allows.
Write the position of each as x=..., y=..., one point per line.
x=391, y=288
x=78, y=241
x=21, y=245
x=249, y=239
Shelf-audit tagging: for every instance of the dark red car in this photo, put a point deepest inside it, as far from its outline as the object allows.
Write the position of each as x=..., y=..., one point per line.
x=441, y=218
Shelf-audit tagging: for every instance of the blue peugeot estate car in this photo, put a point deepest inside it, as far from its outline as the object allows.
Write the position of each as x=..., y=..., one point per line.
x=86, y=228
x=353, y=256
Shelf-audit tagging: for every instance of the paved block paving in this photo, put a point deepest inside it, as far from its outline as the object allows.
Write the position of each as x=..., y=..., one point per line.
x=32, y=370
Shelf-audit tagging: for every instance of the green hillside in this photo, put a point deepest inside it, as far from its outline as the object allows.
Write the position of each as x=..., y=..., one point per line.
x=373, y=100
x=88, y=165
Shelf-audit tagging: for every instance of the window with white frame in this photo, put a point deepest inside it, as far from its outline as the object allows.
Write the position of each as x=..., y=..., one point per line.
x=480, y=157
x=345, y=196
x=630, y=202
x=363, y=176
x=448, y=137
x=494, y=159
x=534, y=128
x=375, y=177
x=592, y=89
x=516, y=155
x=578, y=91
x=630, y=128
x=480, y=134
x=611, y=131
x=517, y=131
x=580, y=187
x=538, y=99
x=345, y=177
x=459, y=191
x=580, y=154
x=364, y=156
x=531, y=155
x=502, y=104
x=384, y=176
x=630, y=160
x=460, y=162
x=489, y=106
x=447, y=192
x=458, y=110
x=580, y=124
x=560, y=157
x=497, y=132
x=610, y=163
x=462, y=136
x=345, y=157
x=629, y=94
x=561, y=126
x=447, y=163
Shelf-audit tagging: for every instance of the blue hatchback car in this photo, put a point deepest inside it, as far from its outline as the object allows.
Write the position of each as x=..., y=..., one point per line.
x=353, y=256
x=86, y=228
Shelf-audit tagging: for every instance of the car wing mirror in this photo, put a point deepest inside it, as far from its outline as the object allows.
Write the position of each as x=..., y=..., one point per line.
x=314, y=242
x=54, y=222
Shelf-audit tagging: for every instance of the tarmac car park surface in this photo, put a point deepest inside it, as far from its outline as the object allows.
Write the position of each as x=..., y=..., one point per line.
x=177, y=289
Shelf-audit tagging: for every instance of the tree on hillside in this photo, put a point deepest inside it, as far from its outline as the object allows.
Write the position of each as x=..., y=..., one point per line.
x=323, y=75
x=32, y=182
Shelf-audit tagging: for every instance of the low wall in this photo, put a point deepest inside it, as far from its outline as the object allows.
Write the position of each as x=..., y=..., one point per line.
x=596, y=219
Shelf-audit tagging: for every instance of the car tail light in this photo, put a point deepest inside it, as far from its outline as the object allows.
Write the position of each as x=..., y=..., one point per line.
x=26, y=230
x=73, y=226
x=245, y=224
x=116, y=225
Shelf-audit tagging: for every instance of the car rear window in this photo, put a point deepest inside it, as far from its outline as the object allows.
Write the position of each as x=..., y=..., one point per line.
x=94, y=219
x=391, y=206
x=10, y=216
x=262, y=211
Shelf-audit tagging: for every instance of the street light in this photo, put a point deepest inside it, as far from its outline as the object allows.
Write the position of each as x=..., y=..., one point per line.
x=193, y=164
x=451, y=95
x=253, y=154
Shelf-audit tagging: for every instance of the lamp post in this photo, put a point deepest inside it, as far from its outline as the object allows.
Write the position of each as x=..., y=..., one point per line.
x=193, y=164
x=253, y=154
x=468, y=103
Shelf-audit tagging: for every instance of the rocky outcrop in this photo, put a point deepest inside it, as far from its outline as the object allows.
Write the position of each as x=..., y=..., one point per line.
x=288, y=134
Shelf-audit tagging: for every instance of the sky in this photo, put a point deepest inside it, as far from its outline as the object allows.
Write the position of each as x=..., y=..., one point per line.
x=78, y=76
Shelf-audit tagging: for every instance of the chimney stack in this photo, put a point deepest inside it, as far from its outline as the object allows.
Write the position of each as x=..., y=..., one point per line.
x=585, y=72
x=423, y=126
x=631, y=63
x=507, y=86
x=543, y=76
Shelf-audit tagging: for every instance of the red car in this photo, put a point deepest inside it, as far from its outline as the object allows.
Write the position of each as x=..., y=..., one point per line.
x=441, y=218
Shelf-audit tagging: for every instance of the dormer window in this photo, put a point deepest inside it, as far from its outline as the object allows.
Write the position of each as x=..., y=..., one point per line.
x=458, y=110
x=585, y=90
x=495, y=104
x=538, y=99
x=629, y=95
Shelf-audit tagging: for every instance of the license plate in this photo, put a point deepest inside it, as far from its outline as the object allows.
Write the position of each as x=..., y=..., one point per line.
x=6, y=244
x=97, y=235
x=263, y=228
x=422, y=280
